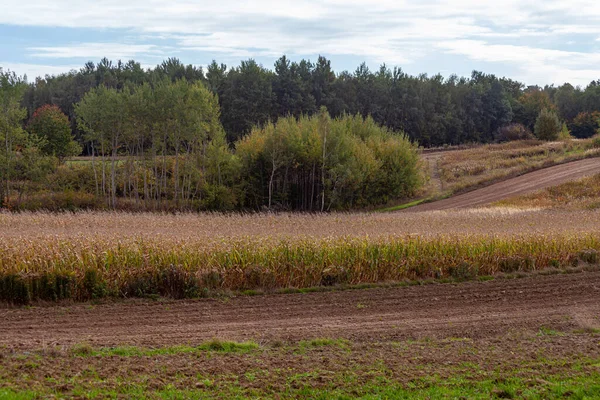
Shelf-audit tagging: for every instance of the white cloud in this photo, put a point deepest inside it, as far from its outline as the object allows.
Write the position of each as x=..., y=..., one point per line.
x=37, y=70
x=510, y=33
x=536, y=65
x=94, y=50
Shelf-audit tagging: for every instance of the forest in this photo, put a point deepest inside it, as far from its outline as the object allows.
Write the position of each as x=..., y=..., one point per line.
x=296, y=137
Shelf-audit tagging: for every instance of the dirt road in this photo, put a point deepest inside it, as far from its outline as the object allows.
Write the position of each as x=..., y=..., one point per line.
x=472, y=309
x=520, y=185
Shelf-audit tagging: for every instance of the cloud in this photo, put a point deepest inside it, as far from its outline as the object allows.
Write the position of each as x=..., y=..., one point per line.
x=511, y=34
x=34, y=70
x=95, y=51
x=534, y=64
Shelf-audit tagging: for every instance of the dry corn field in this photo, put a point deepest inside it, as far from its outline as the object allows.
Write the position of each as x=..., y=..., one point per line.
x=83, y=256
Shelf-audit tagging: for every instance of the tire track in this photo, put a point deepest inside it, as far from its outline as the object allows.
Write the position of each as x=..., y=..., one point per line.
x=524, y=184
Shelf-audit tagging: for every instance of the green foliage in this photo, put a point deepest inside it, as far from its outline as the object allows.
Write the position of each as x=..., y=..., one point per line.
x=585, y=124
x=532, y=103
x=51, y=124
x=162, y=139
x=174, y=146
x=12, y=136
x=22, y=289
x=246, y=98
x=319, y=163
x=222, y=346
x=21, y=162
x=547, y=125
x=564, y=133
x=431, y=110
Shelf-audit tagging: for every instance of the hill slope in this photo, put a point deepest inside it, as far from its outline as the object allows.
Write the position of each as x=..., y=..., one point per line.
x=520, y=185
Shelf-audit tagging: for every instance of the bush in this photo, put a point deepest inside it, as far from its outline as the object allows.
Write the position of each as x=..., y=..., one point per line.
x=512, y=132
x=585, y=124
x=547, y=125
x=564, y=134
x=60, y=201
x=318, y=163
x=73, y=178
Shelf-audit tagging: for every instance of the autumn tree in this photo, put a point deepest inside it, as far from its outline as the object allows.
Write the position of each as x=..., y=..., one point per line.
x=52, y=125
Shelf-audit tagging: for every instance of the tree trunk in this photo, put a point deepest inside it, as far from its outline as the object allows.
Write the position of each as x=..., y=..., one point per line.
x=323, y=171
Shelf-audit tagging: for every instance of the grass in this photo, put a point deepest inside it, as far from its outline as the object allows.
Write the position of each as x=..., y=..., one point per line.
x=215, y=345
x=404, y=206
x=583, y=194
x=558, y=388
x=465, y=169
x=545, y=331
x=323, y=342
x=337, y=369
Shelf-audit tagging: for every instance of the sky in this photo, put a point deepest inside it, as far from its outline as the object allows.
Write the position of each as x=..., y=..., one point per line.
x=534, y=41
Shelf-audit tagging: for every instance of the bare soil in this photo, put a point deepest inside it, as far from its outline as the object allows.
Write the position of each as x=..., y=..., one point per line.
x=524, y=184
x=477, y=310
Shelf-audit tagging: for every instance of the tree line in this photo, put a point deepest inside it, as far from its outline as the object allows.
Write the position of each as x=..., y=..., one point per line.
x=160, y=145
x=432, y=110
x=298, y=137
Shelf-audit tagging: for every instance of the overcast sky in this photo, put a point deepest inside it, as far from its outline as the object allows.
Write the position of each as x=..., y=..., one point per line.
x=534, y=41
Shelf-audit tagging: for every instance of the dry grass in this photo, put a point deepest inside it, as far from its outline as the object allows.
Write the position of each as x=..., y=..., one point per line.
x=583, y=194
x=463, y=169
x=89, y=255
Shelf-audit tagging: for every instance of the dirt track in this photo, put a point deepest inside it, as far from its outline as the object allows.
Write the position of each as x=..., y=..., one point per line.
x=520, y=185
x=473, y=309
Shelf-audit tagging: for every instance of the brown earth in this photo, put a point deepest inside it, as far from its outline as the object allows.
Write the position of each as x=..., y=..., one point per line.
x=478, y=310
x=520, y=185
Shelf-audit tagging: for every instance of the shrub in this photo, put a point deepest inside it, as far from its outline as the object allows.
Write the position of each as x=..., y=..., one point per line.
x=547, y=125
x=318, y=163
x=59, y=201
x=512, y=132
x=75, y=177
x=585, y=124
x=564, y=133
